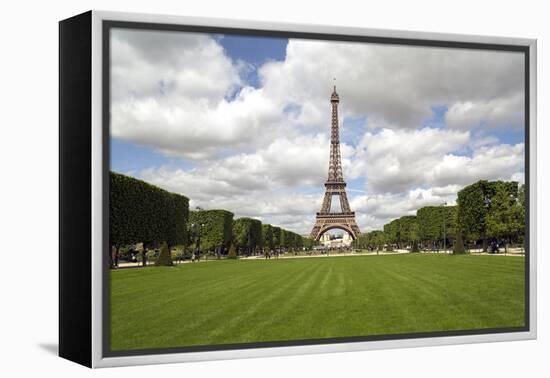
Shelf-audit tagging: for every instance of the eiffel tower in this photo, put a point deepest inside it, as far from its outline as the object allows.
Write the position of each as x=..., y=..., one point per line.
x=335, y=185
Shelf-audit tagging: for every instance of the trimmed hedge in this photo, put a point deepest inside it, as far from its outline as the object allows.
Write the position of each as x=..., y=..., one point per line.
x=436, y=222
x=408, y=231
x=373, y=240
x=276, y=237
x=393, y=233
x=267, y=237
x=247, y=234
x=140, y=212
x=178, y=213
x=217, y=232
x=291, y=240
x=164, y=259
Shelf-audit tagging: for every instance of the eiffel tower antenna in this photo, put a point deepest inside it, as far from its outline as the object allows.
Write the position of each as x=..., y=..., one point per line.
x=335, y=185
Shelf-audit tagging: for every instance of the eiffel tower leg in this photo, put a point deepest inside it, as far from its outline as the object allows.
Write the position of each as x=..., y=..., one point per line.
x=355, y=228
x=315, y=231
x=344, y=203
x=326, y=203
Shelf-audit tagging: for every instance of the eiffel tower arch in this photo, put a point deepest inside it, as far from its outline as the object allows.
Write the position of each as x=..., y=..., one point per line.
x=335, y=185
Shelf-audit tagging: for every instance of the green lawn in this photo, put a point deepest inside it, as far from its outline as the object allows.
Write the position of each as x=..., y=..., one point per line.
x=226, y=302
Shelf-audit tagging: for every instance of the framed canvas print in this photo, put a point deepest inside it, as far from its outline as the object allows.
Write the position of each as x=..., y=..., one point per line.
x=237, y=189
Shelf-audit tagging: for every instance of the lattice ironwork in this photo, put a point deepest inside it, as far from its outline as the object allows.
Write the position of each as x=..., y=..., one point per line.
x=335, y=186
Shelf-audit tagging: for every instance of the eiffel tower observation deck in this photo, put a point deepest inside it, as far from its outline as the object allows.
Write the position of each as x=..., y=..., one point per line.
x=326, y=219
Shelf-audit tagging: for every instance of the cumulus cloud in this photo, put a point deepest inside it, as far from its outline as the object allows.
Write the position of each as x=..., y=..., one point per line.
x=489, y=163
x=264, y=200
x=263, y=151
x=492, y=113
x=181, y=93
x=373, y=211
x=398, y=85
x=399, y=160
x=176, y=92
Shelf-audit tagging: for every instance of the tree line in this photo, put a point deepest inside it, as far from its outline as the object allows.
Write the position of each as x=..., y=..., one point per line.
x=143, y=213
x=486, y=211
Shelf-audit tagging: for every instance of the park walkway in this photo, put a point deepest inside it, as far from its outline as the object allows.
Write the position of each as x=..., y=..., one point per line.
x=516, y=252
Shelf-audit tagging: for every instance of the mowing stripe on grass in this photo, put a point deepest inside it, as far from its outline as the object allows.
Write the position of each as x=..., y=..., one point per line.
x=227, y=302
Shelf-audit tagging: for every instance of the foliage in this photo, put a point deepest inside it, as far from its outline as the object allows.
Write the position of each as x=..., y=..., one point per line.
x=436, y=223
x=521, y=200
x=408, y=229
x=165, y=258
x=177, y=208
x=373, y=240
x=309, y=243
x=286, y=238
x=458, y=247
x=140, y=212
x=291, y=240
x=216, y=229
x=379, y=239
x=299, y=241
x=506, y=216
x=450, y=226
x=475, y=203
x=232, y=252
x=247, y=233
x=393, y=234
x=267, y=236
x=276, y=237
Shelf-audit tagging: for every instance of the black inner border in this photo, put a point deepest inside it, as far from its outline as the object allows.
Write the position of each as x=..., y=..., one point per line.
x=106, y=28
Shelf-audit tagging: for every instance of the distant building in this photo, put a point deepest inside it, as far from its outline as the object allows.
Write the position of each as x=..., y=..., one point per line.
x=336, y=241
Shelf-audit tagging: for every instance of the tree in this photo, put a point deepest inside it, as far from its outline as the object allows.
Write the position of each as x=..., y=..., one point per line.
x=309, y=243
x=379, y=239
x=523, y=213
x=267, y=236
x=506, y=216
x=450, y=225
x=232, y=253
x=368, y=240
x=408, y=231
x=165, y=258
x=177, y=209
x=247, y=234
x=286, y=239
x=216, y=230
x=298, y=241
x=392, y=232
x=414, y=237
x=436, y=224
x=276, y=237
x=475, y=203
x=458, y=247
x=143, y=213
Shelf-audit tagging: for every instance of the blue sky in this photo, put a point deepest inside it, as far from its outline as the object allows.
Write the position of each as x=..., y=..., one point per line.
x=131, y=157
x=255, y=51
